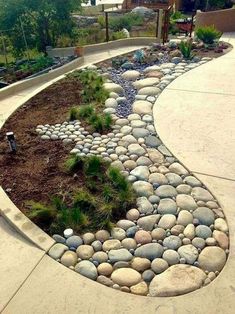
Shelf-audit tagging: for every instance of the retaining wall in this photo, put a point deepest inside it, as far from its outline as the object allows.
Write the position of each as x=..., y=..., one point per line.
x=89, y=49
x=61, y=52
x=44, y=78
x=223, y=20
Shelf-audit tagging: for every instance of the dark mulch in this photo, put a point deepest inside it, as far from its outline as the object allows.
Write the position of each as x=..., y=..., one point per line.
x=36, y=172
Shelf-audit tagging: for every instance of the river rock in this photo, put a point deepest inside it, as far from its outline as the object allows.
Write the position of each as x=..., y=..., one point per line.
x=136, y=149
x=111, y=244
x=102, y=235
x=184, y=218
x=189, y=252
x=186, y=202
x=140, y=288
x=172, y=242
x=105, y=269
x=129, y=243
x=173, y=179
x=69, y=258
x=166, y=191
x=140, y=264
x=133, y=214
x=155, y=155
x=142, y=107
x=131, y=75
x=118, y=233
x=177, y=280
x=192, y=181
x=204, y=215
x=221, y=238
x=203, y=231
x=158, y=234
x=171, y=257
x=159, y=265
x=125, y=224
x=143, y=188
x=149, y=91
x=126, y=277
x=167, y=221
x=144, y=206
x=146, y=82
x=100, y=257
x=85, y=251
x=143, y=237
x=149, y=251
x=221, y=225
x=113, y=87
x=104, y=281
x=167, y=206
x=158, y=179
x=201, y=194
x=178, y=169
x=87, y=269
x=141, y=173
x=120, y=255
x=212, y=258
x=57, y=250
x=147, y=223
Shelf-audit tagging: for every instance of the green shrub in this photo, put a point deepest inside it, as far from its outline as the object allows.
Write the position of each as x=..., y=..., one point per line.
x=173, y=17
x=73, y=163
x=40, y=213
x=93, y=89
x=208, y=34
x=125, y=21
x=93, y=166
x=73, y=114
x=85, y=111
x=118, y=35
x=87, y=208
x=186, y=49
x=101, y=20
x=100, y=122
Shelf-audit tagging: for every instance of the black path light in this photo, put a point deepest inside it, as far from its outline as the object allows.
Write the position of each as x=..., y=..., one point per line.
x=11, y=141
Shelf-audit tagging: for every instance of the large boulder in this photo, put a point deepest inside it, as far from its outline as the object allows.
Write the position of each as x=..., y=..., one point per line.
x=176, y=280
x=144, y=12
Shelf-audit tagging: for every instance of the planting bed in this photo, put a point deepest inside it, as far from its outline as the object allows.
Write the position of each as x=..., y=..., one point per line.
x=174, y=238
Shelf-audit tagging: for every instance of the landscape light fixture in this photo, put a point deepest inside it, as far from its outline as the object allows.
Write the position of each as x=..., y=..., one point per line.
x=11, y=141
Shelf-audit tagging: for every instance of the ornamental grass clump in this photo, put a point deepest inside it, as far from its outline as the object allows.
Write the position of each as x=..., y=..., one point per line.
x=93, y=96
x=186, y=49
x=104, y=198
x=208, y=34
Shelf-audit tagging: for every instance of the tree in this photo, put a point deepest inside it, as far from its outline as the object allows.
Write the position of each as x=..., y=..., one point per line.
x=43, y=21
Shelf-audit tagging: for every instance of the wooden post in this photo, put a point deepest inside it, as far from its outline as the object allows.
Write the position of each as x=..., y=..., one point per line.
x=107, y=26
x=4, y=49
x=159, y=24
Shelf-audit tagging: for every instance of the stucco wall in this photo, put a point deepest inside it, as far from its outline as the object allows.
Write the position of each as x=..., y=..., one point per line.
x=223, y=20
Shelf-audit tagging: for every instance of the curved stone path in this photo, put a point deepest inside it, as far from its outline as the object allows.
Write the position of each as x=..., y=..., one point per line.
x=67, y=295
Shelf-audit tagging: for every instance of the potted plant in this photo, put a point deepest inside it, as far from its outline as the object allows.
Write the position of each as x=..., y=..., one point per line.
x=79, y=51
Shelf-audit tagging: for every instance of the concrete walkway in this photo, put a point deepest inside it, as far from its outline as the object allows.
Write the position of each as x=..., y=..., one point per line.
x=186, y=115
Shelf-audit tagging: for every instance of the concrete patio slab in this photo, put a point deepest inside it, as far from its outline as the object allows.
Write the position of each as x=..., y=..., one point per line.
x=18, y=258
x=199, y=129
x=215, y=76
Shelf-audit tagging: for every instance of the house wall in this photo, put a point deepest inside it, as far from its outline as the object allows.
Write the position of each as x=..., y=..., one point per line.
x=223, y=20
